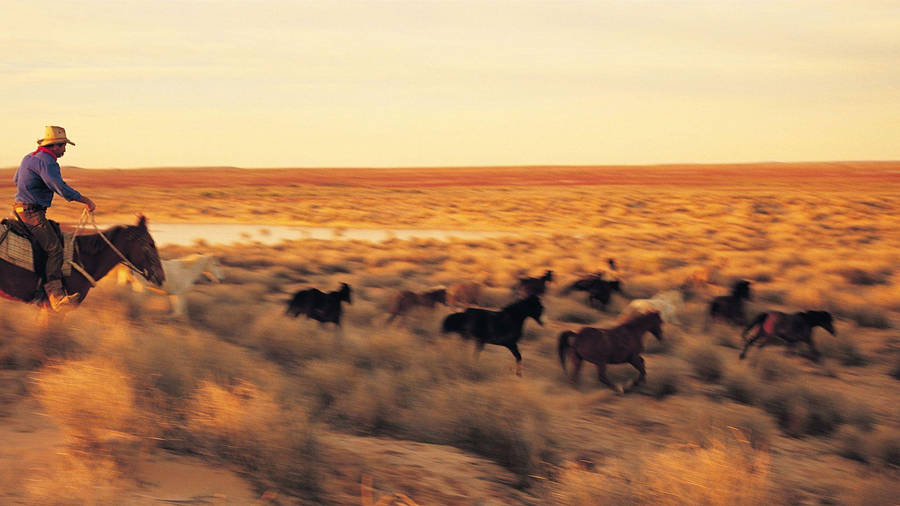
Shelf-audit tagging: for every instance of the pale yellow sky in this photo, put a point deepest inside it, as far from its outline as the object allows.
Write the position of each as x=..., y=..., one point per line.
x=278, y=83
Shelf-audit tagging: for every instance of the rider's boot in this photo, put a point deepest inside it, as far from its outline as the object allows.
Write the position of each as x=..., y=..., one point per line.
x=56, y=295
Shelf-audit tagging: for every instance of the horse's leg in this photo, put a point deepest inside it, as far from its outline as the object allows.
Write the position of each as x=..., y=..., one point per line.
x=638, y=362
x=514, y=348
x=577, y=361
x=479, y=345
x=750, y=342
x=177, y=304
x=812, y=347
x=601, y=375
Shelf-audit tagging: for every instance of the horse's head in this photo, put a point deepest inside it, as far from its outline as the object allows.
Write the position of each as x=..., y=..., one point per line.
x=344, y=293
x=653, y=322
x=741, y=289
x=139, y=248
x=213, y=270
x=820, y=318
x=534, y=308
x=548, y=276
x=438, y=295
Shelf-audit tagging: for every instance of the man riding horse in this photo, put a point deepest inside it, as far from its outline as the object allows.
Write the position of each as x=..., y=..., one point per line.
x=37, y=179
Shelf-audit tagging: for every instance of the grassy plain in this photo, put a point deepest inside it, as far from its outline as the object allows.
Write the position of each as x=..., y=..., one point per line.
x=305, y=414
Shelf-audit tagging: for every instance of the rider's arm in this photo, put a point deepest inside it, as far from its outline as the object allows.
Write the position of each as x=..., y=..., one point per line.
x=53, y=179
x=87, y=202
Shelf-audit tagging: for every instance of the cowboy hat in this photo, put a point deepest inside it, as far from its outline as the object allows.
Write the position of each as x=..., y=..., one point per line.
x=54, y=135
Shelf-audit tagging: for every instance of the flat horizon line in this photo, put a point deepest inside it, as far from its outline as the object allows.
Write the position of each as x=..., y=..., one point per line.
x=445, y=167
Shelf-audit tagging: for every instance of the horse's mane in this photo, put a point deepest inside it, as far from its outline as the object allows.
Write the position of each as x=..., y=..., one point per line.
x=93, y=243
x=637, y=320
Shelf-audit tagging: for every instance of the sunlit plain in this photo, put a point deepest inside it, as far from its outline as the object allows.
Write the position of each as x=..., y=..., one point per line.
x=302, y=412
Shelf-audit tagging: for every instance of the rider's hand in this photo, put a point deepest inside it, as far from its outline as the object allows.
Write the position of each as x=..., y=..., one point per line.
x=88, y=203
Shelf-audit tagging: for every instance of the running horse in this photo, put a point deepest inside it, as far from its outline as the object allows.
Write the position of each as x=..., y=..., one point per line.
x=616, y=345
x=502, y=328
x=793, y=328
x=94, y=254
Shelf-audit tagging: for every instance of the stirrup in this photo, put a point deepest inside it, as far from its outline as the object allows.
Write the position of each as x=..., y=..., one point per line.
x=58, y=303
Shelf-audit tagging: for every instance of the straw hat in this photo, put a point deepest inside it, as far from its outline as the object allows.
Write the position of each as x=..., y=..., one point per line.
x=54, y=135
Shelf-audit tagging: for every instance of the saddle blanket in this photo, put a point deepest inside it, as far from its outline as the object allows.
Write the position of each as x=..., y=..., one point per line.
x=18, y=251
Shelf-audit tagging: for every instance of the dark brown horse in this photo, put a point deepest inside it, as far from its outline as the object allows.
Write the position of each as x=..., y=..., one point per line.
x=96, y=257
x=525, y=287
x=406, y=300
x=503, y=328
x=730, y=308
x=616, y=345
x=599, y=289
x=793, y=328
x=318, y=305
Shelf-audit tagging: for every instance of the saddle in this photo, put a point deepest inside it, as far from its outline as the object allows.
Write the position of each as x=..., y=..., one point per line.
x=17, y=248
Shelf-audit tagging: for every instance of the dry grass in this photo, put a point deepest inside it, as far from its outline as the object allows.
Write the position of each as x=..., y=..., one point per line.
x=723, y=472
x=244, y=385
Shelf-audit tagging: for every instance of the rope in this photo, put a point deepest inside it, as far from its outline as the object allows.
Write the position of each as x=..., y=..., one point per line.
x=111, y=245
x=82, y=222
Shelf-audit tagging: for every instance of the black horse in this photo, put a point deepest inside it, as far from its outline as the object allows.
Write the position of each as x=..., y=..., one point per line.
x=533, y=286
x=318, y=305
x=95, y=255
x=503, y=328
x=793, y=328
x=730, y=308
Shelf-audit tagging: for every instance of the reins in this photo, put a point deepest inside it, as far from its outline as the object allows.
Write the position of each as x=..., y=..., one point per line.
x=81, y=224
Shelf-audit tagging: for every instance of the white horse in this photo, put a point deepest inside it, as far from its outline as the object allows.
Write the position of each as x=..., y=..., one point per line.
x=668, y=304
x=181, y=275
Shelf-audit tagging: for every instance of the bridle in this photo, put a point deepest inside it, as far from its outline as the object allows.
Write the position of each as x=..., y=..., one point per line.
x=82, y=222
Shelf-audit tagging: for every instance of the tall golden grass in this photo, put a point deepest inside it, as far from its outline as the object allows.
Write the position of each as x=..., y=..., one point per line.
x=244, y=385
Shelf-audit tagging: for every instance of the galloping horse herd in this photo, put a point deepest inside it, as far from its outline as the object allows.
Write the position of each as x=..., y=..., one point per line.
x=619, y=344
x=98, y=254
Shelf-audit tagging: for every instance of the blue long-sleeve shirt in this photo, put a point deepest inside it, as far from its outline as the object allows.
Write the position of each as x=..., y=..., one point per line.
x=38, y=178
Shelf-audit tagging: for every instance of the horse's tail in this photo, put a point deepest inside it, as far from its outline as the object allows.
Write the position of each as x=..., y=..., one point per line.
x=756, y=321
x=563, y=345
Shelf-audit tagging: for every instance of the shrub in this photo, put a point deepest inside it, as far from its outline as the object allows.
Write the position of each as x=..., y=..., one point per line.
x=724, y=472
x=88, y=399
x=843, y=350
x=886, y=448
x=775, y=368
x=869, y=316
x=706, y=362
x=664, y=381
x=742, y=387
x=852, y=445
x=501, y=420
x=246, y=426
x=800, y=411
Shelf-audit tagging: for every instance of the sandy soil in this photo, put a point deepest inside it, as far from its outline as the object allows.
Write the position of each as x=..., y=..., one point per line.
x=30, y=442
